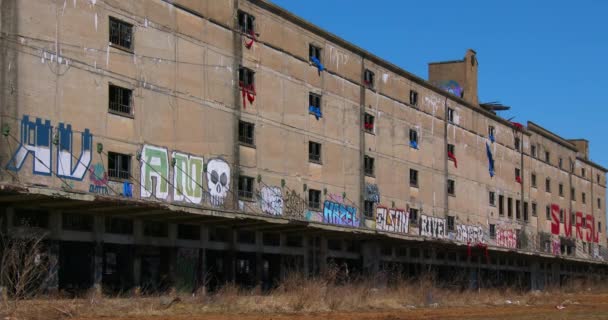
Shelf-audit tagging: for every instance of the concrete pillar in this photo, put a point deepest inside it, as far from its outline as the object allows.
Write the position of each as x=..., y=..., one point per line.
x=138, y=233
x=202, y=272
x=53, y=280
x=307, y=254
x=535, y=276
x=231, y=256
x=259, y=259
x=98, y=230
x=172, y=234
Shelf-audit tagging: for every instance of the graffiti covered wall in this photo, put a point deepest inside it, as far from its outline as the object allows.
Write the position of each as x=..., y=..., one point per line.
x=432, y=227
x=392, y=220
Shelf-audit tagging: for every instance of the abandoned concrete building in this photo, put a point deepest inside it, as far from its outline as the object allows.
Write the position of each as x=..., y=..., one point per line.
x=188, y=143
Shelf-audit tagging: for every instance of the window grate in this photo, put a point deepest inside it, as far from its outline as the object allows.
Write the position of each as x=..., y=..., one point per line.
x=120, y=99
x=314, y=199
x=119, y=165
x=246, y=132
x=246, y=187
x=121, y=33
x=314, y=152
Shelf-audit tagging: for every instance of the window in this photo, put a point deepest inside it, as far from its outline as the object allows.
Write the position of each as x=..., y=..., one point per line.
x=119, y=165
x=510, y=207
x=368, y=209
x=121, y=34
x=31, y=218
x=548, y=212
x=157, y=229
x=599, y=226
x=368, y=78
x=246, y=132
x=491, y=131
x=314, y=199
x=120, y=99
x=533, y=180
x=547, y=156
x=188, y=232
x=414, y=178
x=246, y=22
x=534, y=209
x=533, y=151
x=118, y=225
x=450, y=115
x=314, y=52
x=314, y=100
x=501, y=206
x=368, y=123
x=584, y=198
x=573, y=194
x=560, y=162
x=561, y=189
x=561, y=215
x=451, y=224
x=246, y=77
x=598, y=178
x=492, y=196
x=77, y=222
x=245, y=187
x=413, y=97
x=599, y=203
x=314, y=152
x=413, y=138
x=368, y=166
x=517, y=209
x=548, y=185
x=516, y=143
x=525, y=211
x=492, y=231
x=413, y=216
x=583, y=172
x=451, y=187
x=451, y=149
x=517, y=174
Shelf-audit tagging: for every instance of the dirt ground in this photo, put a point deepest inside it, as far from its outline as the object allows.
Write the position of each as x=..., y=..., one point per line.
x=584, y=307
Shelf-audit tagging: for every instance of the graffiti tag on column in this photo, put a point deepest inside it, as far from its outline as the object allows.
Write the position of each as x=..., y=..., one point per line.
x=340, y=214
x=36, y=140
x=432, y=227
x=392, y=220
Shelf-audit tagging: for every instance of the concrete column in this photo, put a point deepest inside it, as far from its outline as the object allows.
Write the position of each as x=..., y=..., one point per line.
x=138, y=233
x=202, y=272
x=231, y=256
x=53, y=281
x=370, y=252
x=98, y=230
x=535, y=277
x=172, y=234
x=259, y=258
x=306, y=257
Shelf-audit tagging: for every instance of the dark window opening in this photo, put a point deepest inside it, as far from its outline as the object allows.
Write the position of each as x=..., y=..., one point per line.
x=119, y=226
x=294, y=240
x=583, y=172
x=188, y=232
x=413, y=138
x=368, y=166
x=246, y=78
x=271, y=239
x=451, y=224
x=517, y=209
x=155, y=229
x=548, y=185
x=368, y=123
x=561, y=190
x=533, y=180
x=77, y=222
x=245, y=236
x=120, y=99
x=492, y=231
x=451, y=115
x=516, y=143
x=31, y=218
x=548, y=212
x=451, y=187
x=573, y=194
x=246, y=22
x=533, y=151
x=314, y=52
x=414, y=178
x=220, y=234
x=368, y=78
x=534, y=209
x=245, y=187
x=314, y=152
x=314, y=199
x=413, y=97
x=314, y=100
x=246, y=133
x=368, y=209
x=452, y=150
x=501, y=207
x=510, y=207
x=547, y=156
x=584, y=198
x=414, y=216
x=560, y=162
x=119, y=165
x=492, y=196
x=121, y=33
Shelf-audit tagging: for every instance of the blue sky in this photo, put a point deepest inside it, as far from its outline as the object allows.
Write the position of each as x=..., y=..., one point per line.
x=548, y=60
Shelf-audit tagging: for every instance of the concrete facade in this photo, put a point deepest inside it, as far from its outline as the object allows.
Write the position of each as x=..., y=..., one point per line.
x=182, y=135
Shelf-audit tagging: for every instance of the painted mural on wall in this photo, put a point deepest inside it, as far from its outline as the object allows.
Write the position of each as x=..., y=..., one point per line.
x=585, y=227
x=469, y=234
x=99, y=179
x=36, y=140
x=452, y=87
x=188, y=177
x=294, y=205
x=372, y=193
x=218, y=181
x=432, y=227
x=392, y=220
x=271, y=200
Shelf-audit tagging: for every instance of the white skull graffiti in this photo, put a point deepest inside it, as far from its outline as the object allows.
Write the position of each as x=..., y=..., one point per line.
x=218, y=180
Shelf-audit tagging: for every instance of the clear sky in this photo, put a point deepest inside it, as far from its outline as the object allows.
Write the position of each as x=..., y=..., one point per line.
x=548, y=60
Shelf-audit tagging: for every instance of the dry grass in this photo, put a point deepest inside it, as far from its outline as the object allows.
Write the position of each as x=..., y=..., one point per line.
x=295, y=294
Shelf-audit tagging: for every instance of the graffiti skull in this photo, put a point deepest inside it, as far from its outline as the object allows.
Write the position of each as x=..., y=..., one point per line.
x=218, y=179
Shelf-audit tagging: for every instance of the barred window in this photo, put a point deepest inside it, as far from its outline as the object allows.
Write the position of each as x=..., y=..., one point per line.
x=314, y=199
x=121, y=33
x=246, y=133
x=120, y=99
x=119, y=165
x=245, y=187
x=314, y=152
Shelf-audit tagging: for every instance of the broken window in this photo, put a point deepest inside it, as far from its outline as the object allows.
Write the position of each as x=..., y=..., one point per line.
x=246, y=133
x=413, y=98
x=314, y=152
x=121, y=34
x=368, y=166
x=245, y=187
x=368, y=123
x=246, y=77
x=368, y=78
x=246, y=22
x=119, y=165
x=120, y=99
x=314, y=199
